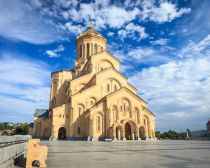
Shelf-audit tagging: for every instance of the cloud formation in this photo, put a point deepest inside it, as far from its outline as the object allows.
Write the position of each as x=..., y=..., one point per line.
x=24, y=86
x=56, y=52
x=178, y=89
x=20, y=22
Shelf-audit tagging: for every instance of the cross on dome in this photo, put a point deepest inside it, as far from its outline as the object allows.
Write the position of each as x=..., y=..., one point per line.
x=92, y=23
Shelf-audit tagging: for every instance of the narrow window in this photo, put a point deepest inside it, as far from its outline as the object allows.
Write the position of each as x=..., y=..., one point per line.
x=88, y=50
x=78, y=130
x=108, y=88
x=115, y=87
x=99, y=123
x=144, y=122
x=80, y=110
x=80, y=51
x=124, y=107
x=101, y=48
x=95, y=48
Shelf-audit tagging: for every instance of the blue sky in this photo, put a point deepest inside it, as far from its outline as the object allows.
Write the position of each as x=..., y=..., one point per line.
x=164, y=48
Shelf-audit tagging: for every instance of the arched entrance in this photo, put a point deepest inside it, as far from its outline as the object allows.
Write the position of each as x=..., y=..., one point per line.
x=62, y=133
x=128, y=133
x=142, y=133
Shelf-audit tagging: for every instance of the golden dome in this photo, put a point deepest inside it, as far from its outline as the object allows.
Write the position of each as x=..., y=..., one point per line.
x=90, y=33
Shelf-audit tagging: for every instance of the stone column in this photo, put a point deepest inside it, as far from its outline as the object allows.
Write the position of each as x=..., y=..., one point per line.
x=124, y=139
x=133, y=137
x=119, y=134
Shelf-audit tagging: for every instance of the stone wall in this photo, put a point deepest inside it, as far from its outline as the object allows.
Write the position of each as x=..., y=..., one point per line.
x=12, y=147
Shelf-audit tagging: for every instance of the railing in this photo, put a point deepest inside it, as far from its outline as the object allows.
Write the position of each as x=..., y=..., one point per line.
x=12, y=147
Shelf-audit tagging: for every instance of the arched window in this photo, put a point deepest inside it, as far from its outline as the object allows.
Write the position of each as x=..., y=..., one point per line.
x=95, y=48
x=101, y=48
x=115, y=87
x=80, y=111
x=99, y=123
x=125, y=105
x=88, y=50
x=80, y=51
x=78, y=130
x=108, y=88
x=144, y=121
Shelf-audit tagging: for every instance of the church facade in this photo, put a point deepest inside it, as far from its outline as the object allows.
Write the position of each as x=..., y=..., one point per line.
x=93, y=101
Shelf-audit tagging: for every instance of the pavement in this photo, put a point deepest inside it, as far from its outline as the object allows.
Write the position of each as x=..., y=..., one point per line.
x=128, y=154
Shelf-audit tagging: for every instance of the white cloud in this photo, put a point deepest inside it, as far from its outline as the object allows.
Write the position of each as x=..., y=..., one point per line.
x=19, y=21
x=110, y=34
x=56, y=52
x=69, y=27
x=111, y=15
x=199, y=48
x=133, y=31
x=24, y=86
x=165, y=12
x=179, y=91
x=138, y=55
x=161, y=41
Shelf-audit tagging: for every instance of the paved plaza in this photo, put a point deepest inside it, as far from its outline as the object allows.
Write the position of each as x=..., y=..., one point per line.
x=143, y=154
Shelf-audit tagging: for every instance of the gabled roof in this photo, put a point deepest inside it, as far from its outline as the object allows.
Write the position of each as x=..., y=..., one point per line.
x=104, y=98
x=125, y=88
x=105, y=51
x=41, y=113
x=208, y=123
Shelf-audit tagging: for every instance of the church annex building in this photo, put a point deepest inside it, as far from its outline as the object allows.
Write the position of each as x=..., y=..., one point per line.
x=93, y=101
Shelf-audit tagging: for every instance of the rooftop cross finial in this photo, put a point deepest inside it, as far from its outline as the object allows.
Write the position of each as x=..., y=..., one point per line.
x=92, y=23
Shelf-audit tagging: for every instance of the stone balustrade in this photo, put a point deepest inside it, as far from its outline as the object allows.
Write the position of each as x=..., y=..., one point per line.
x=12, y=147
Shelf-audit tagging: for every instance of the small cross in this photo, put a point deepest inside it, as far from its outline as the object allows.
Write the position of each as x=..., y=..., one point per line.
x=92, y=24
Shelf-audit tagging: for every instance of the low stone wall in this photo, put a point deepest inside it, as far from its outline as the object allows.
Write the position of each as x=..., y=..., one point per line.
x=12, y=147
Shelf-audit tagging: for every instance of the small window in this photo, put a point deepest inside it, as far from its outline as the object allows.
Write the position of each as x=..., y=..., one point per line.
x=115, y=87
x=80, y=51
x=108, y=88
x=144, y=122
x=95, y=48
x=99, y=123
x=78, y=130
x=101, y=48
x=88, y=50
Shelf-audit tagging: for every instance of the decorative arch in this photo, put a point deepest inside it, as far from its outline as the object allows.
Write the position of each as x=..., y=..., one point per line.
x=91, y=101
x=136, y=114
x=124, y=104
x=79, y=87
x=142, y=132
x=80, y=109
x=130, y=129
x=114, y=114
x=110, y=85
x=118, y=131
x=98, y=121
x=146, y=123
x=104, y=64
x=62, y=133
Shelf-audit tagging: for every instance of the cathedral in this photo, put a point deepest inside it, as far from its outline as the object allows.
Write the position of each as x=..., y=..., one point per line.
x=93, y=101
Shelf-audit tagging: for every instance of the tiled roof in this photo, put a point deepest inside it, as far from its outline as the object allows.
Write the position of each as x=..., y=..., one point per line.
x=41, y=113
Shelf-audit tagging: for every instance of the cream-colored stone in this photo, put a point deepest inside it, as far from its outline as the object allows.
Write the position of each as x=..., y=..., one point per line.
x=94, y=100
x=36, y=154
